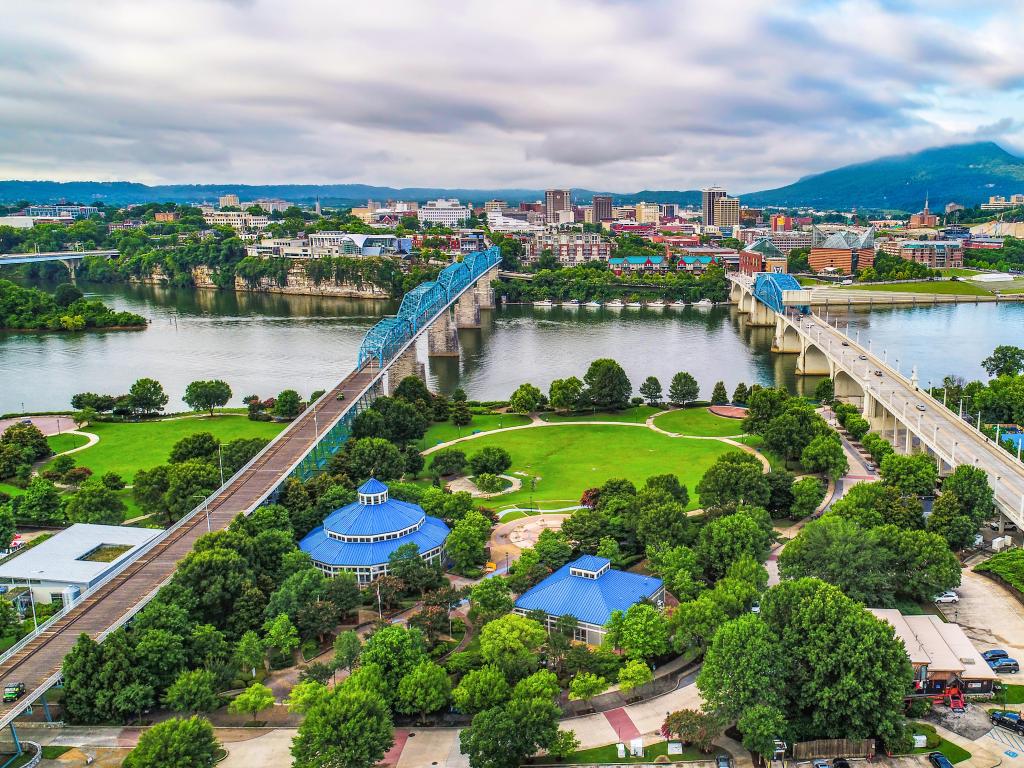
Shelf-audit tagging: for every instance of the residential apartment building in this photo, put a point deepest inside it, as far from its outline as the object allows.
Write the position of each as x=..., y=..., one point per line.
x=495, y=206
x=935, y=254
x=1000, y=203
x=446, y=213
x=269, y=204
x=710, y=196
x=570, y=248
x=727, y=212
x=555, y=202
x=500, y=222
x=240, y=221
x=228, y=201
x=120, y=226
x=602, y=207
x=647, y=213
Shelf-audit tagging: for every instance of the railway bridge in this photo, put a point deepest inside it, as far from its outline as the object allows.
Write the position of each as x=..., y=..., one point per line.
x=387, y=354
x=893, y=403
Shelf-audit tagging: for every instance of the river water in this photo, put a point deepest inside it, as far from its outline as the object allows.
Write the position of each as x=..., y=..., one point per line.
x=263, y=343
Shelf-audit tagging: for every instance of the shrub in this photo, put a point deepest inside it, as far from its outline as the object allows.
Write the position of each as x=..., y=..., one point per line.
x=77, y=475
x=113, y=481
x=492, y=460
x=489, y=483
x=62, y=465
x=450, y=461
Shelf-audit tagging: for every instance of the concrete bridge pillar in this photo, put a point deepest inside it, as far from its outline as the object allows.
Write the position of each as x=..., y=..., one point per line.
x=484, y=289
x=787, y=338
x=812, y=361
x=467, y=310
x=442, y=337
x=761, y=315
x=72, y=268
x=405, y=365
x=736, y=294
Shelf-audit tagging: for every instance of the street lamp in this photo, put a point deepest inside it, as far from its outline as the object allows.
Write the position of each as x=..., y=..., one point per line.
x=206, y=508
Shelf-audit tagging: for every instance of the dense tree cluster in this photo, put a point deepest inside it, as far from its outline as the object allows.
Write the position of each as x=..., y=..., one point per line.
x=31, y=309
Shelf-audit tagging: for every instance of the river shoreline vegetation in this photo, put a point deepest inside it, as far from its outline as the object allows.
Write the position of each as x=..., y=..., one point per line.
x=32, y=309
x=595, y=282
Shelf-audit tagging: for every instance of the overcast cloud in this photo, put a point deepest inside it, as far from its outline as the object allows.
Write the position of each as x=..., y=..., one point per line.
x=619, y=95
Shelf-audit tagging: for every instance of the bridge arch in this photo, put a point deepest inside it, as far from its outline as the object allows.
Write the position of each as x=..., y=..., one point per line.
x=848, y=389
x=787, y=337
x=812, y=361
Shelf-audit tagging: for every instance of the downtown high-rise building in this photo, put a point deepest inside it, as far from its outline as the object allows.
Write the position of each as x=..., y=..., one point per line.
x=602, y=207
x=711, y=195
x=727, y=212
x=556, y=201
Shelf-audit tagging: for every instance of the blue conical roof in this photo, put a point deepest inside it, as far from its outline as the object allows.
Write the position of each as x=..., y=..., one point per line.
x=373, y=485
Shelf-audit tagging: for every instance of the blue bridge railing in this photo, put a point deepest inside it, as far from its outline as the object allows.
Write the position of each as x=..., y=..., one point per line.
x=422, y=304
x=768, y=288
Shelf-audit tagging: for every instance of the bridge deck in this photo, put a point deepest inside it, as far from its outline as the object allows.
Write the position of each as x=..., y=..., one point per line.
x=39, y=661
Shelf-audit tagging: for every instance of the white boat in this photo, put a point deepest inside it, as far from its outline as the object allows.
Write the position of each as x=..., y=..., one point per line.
x=545, y=303
x=615, y=304
x=593, y=303
x=704, y=303
x=656, y=304
x=571, y=304
x=635, y=304
x=678, y=303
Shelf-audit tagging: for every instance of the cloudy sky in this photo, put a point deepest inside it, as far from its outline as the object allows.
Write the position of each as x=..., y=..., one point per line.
x=606, y=94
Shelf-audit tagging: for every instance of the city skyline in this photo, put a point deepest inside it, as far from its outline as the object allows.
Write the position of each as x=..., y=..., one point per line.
x=601, y=95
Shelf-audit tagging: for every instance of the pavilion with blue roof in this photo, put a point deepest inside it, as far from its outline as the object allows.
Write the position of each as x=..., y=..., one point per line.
x=589, y=589
x=361, y=536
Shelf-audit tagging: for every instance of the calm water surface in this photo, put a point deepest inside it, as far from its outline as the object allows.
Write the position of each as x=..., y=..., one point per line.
x=262, y=343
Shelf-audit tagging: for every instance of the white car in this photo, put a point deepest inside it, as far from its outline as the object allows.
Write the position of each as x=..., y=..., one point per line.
x=948, y=597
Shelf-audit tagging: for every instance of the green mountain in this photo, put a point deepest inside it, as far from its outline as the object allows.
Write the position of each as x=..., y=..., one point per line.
x=963, y=173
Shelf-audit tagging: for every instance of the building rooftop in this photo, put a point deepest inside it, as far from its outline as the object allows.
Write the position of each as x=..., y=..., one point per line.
x=591, y=599
x=60, y=558
x=942, y=646
x=766, y=248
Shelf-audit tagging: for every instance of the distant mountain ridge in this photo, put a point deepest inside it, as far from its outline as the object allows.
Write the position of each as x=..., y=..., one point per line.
x=962, y=173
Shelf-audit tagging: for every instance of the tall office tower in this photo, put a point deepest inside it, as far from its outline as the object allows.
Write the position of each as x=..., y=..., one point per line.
x=727, y=212
x=602, y=207
x=555, y=201
x=711, y=195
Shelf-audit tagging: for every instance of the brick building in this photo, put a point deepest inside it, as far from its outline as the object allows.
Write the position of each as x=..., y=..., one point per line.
x=846, y=251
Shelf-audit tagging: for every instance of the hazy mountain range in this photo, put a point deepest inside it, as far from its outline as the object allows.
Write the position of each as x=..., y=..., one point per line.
x=964, y=173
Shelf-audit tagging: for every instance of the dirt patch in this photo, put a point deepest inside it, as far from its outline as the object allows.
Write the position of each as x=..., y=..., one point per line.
x=972, y=724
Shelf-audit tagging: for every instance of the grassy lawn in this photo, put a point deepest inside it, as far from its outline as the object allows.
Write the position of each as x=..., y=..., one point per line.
x=756, y=442
x=958, y=272
x=812, y=281
x=128, y=447
x=10, y=490
x=442, y=432
x=955, y=753
x=945, y=287
x=636, y=415
x=699, y=421
x=566, y=460
x=1014, y=694
x=65, y=442
x=608, y=754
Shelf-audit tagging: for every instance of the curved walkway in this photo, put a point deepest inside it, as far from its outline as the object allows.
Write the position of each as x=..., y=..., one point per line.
x=90, y=436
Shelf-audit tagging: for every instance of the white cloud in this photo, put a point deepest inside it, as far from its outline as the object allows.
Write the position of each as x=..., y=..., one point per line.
x=616, y=95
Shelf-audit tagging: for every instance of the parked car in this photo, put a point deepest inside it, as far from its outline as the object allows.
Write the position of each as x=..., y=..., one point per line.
x=846, y=343
x=13, y=692
x=840, y=762
x=1009, y=720
x=948, y=597
x=939, y=760
x=1007, y=526
x=878, y=373
x=1009, y=666
x=819, y=763
x=921, y=407
x=723, y=761
x=863, y=357
x=995, y=653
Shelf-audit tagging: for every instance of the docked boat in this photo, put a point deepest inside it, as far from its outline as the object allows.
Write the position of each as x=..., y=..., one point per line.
x=635, y=304
x=678, y=303
x=704, y=303
x=615, y=304
x=594, y=304
x=656, y=304
x=545, y=303
x=571, y=304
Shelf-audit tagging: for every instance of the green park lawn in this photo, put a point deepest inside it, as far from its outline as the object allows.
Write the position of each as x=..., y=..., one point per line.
x=636, y=415
x=126, y=448
x=65, y=442
x=954, y=752
x=444, y=431
x=698, y=421
x=944, y=287
x=568, y=459
x=958, y=272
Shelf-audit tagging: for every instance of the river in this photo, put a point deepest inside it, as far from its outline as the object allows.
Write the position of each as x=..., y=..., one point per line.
x=263, y=343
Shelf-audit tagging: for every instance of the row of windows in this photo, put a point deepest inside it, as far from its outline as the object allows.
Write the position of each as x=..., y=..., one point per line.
x=367, y=573
x=377, y=537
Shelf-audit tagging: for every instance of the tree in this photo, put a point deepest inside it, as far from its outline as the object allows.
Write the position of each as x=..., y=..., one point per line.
x=425, y=689
x=488, y=600
x=193, y=691
x=396, y=651
x=511, y=643
x=971, y=486
x=29, y=441
x=644, y=632
x=585, y=686
x=492, y=460
x=461, y=415
x=188, y=484
x=207, y=395
x=914, y=475
x=347, y=646
x=741, y=393
x=41, y=502
x=825, y=392
x=607, y=386
x=694, y=727
x=825, y=454
x=160, y=656
x=481, y=689
x=949, y=521
x=735, y=478
x=288, y=404
x=564, y=394
x=280, y=634
x=249, y=652
x=305, y=695
x=416, y=573
x=525, y=399
x=351, y=728
x=683, y=388
x=873, y=504
x=449, y=461
x=651, y=390
x=412, y=389
x=254, y=699
x=66, y=294
x=663, y=519
x=788, y=434
x=374, y=457
x=719, y=395
x=504, y=736
x=147, y=396
x=725, y=540
x=634, y=674
x=1005, y=360
x=94, y=502
x=807, y=495
x=762, y=725
x=763, y=405
x=466, y=544
x=175, y=743
x=80, y=671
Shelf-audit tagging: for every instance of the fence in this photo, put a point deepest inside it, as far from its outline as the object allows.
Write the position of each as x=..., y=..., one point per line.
x=806, y=750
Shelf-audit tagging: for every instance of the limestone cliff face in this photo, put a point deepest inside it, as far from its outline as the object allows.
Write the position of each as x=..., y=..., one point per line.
x=297, y=283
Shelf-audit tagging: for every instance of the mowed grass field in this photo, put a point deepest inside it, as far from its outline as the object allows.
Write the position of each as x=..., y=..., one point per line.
x=567, y=459
x=65, y=442
x=942, y=287
x=126, y=448
x=442, y=432
x=698, y=421
x=637, y=415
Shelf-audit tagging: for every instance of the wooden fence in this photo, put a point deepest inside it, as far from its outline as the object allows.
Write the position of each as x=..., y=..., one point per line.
x=806, y=750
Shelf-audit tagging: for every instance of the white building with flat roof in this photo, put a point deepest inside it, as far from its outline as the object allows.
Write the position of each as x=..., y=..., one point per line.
x=74, y=560
x=446, y=212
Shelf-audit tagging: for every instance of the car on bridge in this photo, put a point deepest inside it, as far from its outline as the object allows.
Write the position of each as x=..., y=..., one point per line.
x=13, y=692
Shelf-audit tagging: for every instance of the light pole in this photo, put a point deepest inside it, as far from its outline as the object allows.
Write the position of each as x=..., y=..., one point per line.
x=206, y=508
x=220, y=459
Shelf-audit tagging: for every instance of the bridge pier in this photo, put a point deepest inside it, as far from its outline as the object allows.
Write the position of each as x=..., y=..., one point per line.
x=72, y=268
x=467, y=310
x=787, y=338
x=760, y=315
x=484, y=288
x=442, y=337
x=405, y=365
x=812, y=361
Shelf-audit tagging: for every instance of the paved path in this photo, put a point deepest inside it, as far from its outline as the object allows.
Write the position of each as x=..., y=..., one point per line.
x=625, y=729
x=48, y=425
x=988, y=613
x=92, y=438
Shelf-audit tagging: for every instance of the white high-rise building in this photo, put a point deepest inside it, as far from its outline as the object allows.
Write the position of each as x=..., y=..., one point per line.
x=447, y=213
